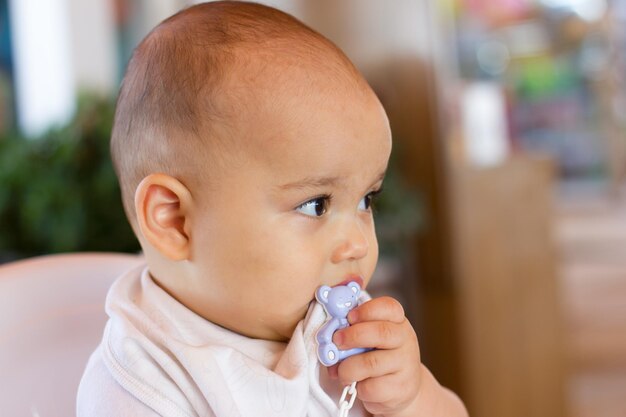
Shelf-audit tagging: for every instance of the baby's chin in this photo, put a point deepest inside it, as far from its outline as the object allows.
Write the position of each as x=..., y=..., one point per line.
x=285, y=332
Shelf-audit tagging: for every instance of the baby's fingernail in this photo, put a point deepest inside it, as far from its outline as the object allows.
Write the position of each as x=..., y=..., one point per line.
x=353, y=316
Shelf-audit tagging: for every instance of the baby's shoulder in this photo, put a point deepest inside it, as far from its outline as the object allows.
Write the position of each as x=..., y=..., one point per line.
x=100, y=395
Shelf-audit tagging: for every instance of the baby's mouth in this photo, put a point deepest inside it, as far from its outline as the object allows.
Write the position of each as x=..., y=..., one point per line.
x=352, y=278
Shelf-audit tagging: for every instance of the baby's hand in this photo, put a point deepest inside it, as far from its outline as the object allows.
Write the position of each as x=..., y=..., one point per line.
x=388, y=378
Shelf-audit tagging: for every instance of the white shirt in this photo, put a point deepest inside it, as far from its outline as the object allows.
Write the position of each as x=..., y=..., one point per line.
x=158, y=358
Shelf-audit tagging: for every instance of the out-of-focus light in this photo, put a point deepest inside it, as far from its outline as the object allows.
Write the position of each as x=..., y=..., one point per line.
x=45, y=89
x=527, y=38
x=589, y=10
x=493, y=57
x=483, y=112
x=594, y=57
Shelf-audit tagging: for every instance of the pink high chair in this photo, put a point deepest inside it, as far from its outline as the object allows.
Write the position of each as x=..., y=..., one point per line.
x=51, y=319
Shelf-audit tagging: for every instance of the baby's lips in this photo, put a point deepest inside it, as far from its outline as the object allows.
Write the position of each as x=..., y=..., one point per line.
x=352, y=278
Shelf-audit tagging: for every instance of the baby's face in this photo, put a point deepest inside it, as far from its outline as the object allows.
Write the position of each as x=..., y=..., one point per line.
x=292, y=212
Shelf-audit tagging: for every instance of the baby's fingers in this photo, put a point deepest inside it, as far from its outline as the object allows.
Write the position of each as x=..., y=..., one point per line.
x=367, y=365
x=386, y=394
x=371, y=334
x=382, y=308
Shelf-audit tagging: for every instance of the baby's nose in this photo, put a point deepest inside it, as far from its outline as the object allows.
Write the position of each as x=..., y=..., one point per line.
x=354, y=244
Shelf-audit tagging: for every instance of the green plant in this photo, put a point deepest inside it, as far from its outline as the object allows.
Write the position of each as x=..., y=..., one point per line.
x=58, y=193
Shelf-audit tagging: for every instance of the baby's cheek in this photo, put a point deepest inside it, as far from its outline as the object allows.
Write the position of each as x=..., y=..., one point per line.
x=369, y=263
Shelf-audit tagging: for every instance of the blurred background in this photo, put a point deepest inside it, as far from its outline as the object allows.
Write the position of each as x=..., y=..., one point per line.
x=503, y=222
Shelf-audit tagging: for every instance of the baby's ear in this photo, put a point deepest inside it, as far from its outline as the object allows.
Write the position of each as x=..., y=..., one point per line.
x=322, y=294
x=356, y=288
x=161, y=205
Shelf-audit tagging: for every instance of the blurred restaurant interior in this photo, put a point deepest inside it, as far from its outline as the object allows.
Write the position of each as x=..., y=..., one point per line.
x=503, y=223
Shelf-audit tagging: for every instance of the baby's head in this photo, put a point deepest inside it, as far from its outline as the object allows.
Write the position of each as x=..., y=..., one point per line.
x=248, y=149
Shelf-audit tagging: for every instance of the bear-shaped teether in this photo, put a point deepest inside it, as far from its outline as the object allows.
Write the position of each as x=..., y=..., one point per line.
x=337, y=301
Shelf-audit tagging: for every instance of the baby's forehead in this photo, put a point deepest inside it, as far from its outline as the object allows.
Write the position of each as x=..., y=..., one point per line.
x=312, y=131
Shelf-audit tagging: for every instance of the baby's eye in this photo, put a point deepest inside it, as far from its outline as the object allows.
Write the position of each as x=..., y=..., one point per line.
x=315, y=207
x=366, y=202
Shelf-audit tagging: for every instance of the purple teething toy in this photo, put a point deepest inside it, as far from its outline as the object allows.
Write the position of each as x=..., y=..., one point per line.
x=337, y=301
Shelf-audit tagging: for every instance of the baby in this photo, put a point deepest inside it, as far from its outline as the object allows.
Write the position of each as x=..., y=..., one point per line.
x=249, y=150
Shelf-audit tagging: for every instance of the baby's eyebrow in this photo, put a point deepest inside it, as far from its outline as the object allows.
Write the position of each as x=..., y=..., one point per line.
x=319, y=182
x=311, y=182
